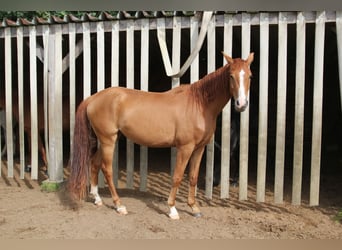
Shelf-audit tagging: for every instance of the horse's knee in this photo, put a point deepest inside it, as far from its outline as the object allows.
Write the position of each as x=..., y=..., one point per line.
x=193, y=181
x=176, y=180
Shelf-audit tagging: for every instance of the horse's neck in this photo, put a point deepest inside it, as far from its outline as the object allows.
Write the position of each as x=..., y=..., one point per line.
x=217, y=89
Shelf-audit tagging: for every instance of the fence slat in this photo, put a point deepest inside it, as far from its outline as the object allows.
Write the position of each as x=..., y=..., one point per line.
x=263, y=106
x=130, y=84
x=210, y=147
x=281, y=110
x=339, y=48
x=45, y=88
x=20, y=60
x=9, y=112
x=299, y=112
x=176, y=54
x=144, y=86
x=55, y=106
x=86, y=60
x=115, y=82
x=194, y=67
x=244, y=124
x=33, y=99
x=226, y=114
x=72, y=80
x=100, y=43
x=317, y=109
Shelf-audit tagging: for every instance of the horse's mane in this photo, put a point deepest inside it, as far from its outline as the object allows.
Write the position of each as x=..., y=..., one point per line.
x=205, y=90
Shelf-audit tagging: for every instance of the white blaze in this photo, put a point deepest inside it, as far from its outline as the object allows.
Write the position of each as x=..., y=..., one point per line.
x=242, y=95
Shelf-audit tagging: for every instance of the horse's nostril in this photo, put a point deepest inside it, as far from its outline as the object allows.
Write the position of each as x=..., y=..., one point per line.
x=237, y=103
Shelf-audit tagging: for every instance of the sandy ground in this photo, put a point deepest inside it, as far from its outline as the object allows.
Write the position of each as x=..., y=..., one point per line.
x=26, y=212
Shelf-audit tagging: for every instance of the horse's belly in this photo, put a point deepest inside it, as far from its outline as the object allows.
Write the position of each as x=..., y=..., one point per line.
x=149, y=132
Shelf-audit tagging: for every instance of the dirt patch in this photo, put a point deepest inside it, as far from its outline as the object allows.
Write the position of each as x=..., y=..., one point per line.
x=26, y=212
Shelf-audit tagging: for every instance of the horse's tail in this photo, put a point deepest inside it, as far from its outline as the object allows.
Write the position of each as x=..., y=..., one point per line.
x=84, y=146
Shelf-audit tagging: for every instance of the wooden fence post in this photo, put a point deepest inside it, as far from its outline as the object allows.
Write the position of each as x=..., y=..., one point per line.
x=281, y=110
x=263, y=106
x=317, y=109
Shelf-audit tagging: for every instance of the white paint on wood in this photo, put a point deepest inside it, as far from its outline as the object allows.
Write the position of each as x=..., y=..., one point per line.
x=144, y=86
x=244, y=124
x=33, y=99
x=72, y=81
x=299, y=112
x=8, y=100
x=20, y=60
x=263, y=106
x=226, y=114
x=281, y=110
x=317, y=109
x=115, y=82
x=130, y=84
x=176, y=54
x=211, y=66
x=86, y=60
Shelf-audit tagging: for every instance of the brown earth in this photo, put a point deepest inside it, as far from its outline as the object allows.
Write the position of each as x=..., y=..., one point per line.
x=26, y=212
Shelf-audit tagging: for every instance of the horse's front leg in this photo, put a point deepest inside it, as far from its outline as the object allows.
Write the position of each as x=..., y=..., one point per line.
x=183, y=155
x=195, y=162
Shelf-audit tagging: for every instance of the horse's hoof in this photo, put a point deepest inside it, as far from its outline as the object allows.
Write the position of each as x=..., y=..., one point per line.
x=197, y=215
x=98, y=203
x=174, y=216
x=121, y=210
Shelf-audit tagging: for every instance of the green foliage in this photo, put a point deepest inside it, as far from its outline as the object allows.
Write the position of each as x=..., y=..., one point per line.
x=29, y=15
x=338, y=216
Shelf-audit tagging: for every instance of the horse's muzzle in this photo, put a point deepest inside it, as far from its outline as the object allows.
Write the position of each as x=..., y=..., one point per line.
x=241, y=106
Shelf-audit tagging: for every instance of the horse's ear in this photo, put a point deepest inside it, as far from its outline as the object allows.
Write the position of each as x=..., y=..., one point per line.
x=250, y=58
x=228, y=58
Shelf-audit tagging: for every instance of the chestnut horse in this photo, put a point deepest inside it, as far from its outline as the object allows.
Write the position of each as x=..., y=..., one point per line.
x=183, y=117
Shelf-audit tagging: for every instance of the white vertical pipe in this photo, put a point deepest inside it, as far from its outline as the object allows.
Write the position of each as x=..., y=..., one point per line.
x=317, y=109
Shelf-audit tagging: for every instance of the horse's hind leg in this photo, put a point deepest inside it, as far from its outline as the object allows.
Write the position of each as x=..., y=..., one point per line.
x=95, y=164
x=107, y=151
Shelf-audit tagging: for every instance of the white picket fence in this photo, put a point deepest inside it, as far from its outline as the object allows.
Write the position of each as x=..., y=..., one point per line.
x=54, y=65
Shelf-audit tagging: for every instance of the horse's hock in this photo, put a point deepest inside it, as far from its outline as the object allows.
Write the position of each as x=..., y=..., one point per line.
x=289, y=143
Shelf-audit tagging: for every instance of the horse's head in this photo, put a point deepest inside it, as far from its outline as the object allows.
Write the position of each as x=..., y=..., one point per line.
x=240, y=78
